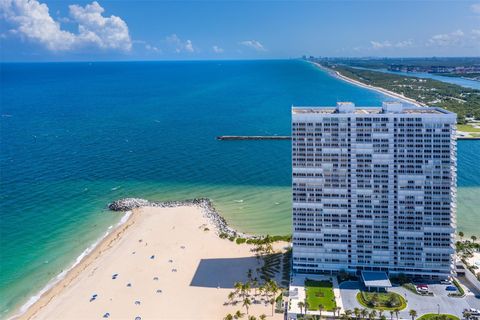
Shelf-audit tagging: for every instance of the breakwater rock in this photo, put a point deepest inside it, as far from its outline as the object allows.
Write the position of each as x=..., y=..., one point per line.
x=204, y=204
x=254, y=138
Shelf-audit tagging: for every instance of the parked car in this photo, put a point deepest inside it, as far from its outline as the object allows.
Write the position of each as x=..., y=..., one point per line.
x=473, y=311
x=451, y=288
x=446, y=281
x=422, y=288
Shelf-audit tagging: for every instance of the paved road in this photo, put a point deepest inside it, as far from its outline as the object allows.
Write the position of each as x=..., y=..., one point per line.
x=348, y=292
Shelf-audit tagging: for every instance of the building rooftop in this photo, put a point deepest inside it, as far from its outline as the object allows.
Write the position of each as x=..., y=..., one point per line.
x=375, y=279
x=387, y=107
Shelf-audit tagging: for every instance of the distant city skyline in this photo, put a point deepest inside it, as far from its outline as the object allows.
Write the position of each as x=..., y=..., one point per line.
x=71, y=30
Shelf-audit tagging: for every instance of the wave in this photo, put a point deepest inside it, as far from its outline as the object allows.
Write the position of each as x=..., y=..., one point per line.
x=62, y=274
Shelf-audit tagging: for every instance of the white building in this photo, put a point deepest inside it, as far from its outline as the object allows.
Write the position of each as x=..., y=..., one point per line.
x=374, y=189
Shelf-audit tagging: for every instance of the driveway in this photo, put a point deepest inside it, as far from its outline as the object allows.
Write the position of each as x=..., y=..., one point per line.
x=348, y=293
x=439, y=302
x=422, y=304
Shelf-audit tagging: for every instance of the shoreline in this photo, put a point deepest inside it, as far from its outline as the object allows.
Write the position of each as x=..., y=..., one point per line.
x=338, y=75
x=55, y=286
x=205, y=204
x=131, y=208
x=56, y=280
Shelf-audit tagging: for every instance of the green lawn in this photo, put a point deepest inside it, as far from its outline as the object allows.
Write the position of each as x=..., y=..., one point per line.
x=320, y=293
x=467, y=128
x=381, y=300
x=434, y=316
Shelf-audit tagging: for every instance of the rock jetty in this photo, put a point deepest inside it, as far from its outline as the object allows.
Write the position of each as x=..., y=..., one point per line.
x=254, y=138
x=204, y=204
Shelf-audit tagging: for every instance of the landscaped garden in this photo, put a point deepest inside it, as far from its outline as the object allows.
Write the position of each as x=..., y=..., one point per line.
x=381, y=300
x=320, y=293
x=467, y=128
x=434, y=316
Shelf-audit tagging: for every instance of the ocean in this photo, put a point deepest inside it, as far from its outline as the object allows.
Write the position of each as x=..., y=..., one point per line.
x=76, y=136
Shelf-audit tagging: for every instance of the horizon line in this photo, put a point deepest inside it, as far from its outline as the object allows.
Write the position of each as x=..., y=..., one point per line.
x=244, y=59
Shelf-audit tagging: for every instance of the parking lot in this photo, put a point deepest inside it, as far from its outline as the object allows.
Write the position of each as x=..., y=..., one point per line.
x=439, y=302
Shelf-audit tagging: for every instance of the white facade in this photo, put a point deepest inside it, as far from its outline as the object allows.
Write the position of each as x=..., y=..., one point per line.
x=374, y=189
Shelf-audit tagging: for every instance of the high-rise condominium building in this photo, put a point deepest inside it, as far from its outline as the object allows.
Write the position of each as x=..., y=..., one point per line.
x=374, y=188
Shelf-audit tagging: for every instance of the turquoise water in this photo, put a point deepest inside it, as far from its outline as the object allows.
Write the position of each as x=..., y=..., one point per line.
x=75, y=136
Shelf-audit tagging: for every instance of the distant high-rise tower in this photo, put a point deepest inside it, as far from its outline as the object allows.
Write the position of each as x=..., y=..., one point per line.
x=374, y=188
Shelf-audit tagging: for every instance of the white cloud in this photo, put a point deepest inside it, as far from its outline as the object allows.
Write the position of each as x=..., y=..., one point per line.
x=454, y=38
x=388, y=44
x=475, y=7
x=152, y=48
x=179, y=45
x=32, y=21
x=404, y=44
x=380, y=45
x=106, y=32
x=189, y=46
x=217, y=49
x=253, y=44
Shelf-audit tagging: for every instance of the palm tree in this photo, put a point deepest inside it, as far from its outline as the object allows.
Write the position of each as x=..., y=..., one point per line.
x=372, y=314
x=266, y=291
x=474, y=238
x=382, y=317
x=238, y=315
x=246, y=289
x=237, y=286
x=364, y=313
x=228, y=317
x=391, y=314
x=262, y=317
x=261, y=288
x=348, y=313
x=320, y=309
x=252, y=318
x=246, y=303
x=268, y=248
x=272, y=302
x=231, y=296
x=412, y=314
x=301, y=305
x=344, y=317
x=255, y=284
x=272, y=286
x=356, y=312
x=338, y=310
x=397, y=310
x=461, y=235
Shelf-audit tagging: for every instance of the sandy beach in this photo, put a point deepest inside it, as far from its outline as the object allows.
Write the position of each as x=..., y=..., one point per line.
x=366, y=86
x=163, y=263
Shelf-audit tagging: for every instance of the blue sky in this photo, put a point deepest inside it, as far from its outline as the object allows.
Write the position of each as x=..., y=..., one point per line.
x=45, y=30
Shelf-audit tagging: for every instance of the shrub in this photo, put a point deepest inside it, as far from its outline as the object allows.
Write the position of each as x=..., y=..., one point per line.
x=240, y=240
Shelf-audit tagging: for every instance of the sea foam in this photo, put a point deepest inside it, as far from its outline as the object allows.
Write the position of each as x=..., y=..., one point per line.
x=62, y=274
